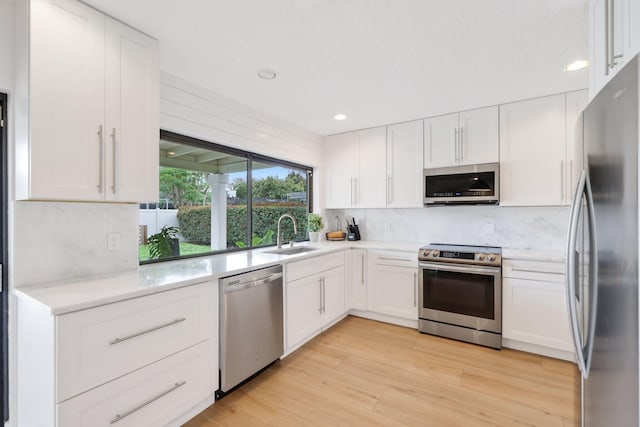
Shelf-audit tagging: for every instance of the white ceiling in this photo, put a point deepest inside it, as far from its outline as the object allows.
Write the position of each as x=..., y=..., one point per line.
x=378, y=61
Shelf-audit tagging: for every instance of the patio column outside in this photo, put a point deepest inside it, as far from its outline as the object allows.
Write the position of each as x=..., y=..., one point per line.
x=218, y=183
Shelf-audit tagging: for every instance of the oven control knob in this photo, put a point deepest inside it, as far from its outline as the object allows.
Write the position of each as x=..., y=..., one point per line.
x=425, y=253
x=435, y=254
x=481, y=257
x=492, y=257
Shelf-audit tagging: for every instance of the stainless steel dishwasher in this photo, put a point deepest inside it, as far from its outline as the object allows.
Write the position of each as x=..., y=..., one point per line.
x=251, y=325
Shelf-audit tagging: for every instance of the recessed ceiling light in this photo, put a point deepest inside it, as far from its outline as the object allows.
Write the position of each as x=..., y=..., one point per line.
x=340, y=116
x=267, y=74
x=576, y=65
x=171, y=153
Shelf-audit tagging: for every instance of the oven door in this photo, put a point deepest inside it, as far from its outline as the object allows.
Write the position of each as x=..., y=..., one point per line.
x=462, y=295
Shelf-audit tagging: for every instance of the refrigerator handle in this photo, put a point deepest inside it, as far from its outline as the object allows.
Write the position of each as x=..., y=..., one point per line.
x=593, y=277
x=576, y=207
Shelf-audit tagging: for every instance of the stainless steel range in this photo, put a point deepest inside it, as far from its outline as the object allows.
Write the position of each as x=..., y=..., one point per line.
x=460, y=293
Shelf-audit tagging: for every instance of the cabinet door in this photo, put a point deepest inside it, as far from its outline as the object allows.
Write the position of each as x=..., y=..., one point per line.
x=632, y=28
x=576, y=102
x=356, y=282
x=393, y=291
x=334, y=294
x=132, y=114
x=340, y=164
x=478, y=136
x=404, y=165
x=370, y=182
x=535, y=312
x=66, y=98
x=304, y=318
x=532, y=152
x=151, y=396
x=440, y=141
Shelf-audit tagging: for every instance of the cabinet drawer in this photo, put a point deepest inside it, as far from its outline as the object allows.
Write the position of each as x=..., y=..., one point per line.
x=395, y=258
x=545, y=271
x=96, y=345
x=152, y=396
x=299, y=269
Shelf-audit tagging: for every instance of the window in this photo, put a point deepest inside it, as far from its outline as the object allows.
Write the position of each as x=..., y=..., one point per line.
x=215, y=199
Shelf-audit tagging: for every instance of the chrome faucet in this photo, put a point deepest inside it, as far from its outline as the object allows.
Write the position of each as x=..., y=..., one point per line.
x=295, y=228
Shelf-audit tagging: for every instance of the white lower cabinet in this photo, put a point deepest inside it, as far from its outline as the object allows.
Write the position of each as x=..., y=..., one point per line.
x=315, y=300
x=143, y=361
x=534, y=307
x=356, y=279
x=151, y=396
x=393, y=284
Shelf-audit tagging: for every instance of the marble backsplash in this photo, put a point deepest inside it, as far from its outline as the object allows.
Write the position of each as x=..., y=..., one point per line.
x=536, y=228
x=60, y=241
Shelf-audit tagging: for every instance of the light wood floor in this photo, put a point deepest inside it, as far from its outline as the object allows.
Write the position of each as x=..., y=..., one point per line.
x=366, y=373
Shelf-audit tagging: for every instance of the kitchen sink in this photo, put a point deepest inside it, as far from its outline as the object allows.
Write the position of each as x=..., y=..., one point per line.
x=290, y=251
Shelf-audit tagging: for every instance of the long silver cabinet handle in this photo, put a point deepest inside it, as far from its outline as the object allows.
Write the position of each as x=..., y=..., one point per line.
x=324, y=296
x=415, y=289
x=612, y=20
x=389, y=194
x=120, y=417
x=146, y=331
x=395, y=259
x=351, y=188
x=531, y=270
x=100, y=159
x=320, y=287
x=362, y=277
x=461, y=145
x=115, y=160
x=607, y=60
x=562, y=181
x=455, y=146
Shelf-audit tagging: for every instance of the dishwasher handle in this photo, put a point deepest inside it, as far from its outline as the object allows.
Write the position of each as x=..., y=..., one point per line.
x=239, y=286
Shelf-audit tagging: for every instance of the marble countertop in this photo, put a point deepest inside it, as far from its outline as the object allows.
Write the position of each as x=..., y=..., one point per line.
x=68, y=296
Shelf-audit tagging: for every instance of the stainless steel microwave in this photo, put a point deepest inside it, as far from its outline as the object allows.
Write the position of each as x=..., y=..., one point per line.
x=456, y=185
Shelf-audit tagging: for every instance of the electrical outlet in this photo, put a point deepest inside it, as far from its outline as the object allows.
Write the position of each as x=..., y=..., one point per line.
x=387, y=227
x=113, y=241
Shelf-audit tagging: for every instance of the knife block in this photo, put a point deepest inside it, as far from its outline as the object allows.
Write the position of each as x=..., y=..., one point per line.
x=354, y=233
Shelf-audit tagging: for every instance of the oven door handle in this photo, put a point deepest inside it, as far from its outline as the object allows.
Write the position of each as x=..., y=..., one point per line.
x=472, y=269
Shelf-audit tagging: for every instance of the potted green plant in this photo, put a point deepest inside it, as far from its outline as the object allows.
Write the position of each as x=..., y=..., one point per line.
x=164, y=243
x=314, y=225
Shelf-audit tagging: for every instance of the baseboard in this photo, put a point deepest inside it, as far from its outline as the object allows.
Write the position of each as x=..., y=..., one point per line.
x=538, y=349
x=409, y=323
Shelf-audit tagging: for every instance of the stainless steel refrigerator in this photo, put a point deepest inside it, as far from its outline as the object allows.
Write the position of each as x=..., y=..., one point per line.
x=602, y=255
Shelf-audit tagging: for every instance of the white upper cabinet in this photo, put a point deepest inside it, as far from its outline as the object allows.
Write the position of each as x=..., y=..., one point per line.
x=132, y=114
x=576, y=102
x=404, y=165
x=370, y=181
x=532, y=153
x=613, y=38
x=356, y=169
x=465, y=138
x=90, y=122
x=540, y=154
x=340, y=163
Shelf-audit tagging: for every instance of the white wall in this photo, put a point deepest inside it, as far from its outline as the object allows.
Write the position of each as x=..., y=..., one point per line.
x=539, y=228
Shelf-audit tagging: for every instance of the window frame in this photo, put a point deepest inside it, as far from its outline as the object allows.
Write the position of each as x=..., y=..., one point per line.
x=250, y=157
